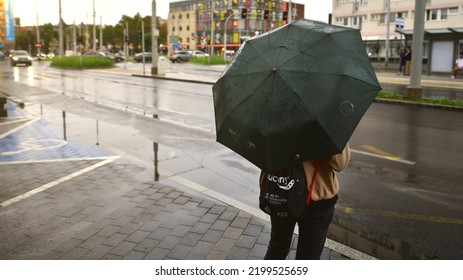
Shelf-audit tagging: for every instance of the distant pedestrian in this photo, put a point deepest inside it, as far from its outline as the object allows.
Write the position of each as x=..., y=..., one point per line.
x=408, y=60
x=402, y=60
x=458, y=65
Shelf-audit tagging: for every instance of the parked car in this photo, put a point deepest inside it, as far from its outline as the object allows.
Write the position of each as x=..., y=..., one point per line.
x=139, y=57
x=198, y=54
x=99, y=54
x=114, y=56
x=179, y=56
x=2, y=56
x=21, y=57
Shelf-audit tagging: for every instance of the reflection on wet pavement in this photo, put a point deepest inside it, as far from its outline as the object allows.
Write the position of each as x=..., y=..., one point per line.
x=346, y=230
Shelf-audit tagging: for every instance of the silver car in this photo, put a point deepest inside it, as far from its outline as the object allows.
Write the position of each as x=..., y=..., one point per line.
x=21, y=57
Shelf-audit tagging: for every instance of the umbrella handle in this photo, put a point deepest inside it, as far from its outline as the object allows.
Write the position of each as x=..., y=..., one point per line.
x=317, y=165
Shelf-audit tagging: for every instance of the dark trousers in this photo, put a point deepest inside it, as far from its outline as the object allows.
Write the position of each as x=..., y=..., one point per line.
x=313, y=229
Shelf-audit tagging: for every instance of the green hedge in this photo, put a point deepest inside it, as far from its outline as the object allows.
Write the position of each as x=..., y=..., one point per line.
x=205, y=60
x=399, y=96
x=76, y=62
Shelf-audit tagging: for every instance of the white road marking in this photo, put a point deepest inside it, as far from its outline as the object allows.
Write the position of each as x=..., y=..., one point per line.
x=56, y=182
x=32, y=120
x=31, y=144
x=384, y=157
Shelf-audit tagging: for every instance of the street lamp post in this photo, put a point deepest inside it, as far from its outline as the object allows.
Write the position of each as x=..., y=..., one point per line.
x=154, y=40
x=61, y=42
x=225, y=37
x=94, y=27
x=212, y=30
x=101, y=32
x=290, y=12
x=38, y=30
x=415, y=91
x=388, y=21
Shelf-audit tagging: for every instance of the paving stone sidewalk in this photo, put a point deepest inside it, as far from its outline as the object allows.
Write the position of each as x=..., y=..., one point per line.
x=105, y=214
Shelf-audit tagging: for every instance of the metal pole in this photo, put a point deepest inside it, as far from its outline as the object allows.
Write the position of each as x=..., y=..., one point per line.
x=97, y=134
x=64, y=126
x=414, y=91
x=388, y=19
x=87, y=44
x=101, y=32
x=126, y=35
x=212, y=30
x=143, y=44
x=290, y=12
x=154, y=39
x=38, y=30
x=80, y=44
x=94, y=27
x=61, y=42
x=74, y=38
x=225, y=37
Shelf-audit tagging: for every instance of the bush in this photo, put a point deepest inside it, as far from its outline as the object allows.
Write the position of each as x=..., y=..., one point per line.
x=86, y=62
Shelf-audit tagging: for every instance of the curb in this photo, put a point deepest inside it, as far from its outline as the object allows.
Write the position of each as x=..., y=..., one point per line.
x=379, y=100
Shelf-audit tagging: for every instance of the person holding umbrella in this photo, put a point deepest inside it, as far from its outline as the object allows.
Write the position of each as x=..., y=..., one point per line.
x=285, y=100
x=315, y=219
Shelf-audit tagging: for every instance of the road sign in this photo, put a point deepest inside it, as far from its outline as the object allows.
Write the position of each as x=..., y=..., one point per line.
x=399, y=23
x=38, y=45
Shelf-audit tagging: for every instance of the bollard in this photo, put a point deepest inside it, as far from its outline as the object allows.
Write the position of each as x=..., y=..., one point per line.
x=3, y=111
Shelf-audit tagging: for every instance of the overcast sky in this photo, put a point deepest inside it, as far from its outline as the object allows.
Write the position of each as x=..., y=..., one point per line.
x=111, y=11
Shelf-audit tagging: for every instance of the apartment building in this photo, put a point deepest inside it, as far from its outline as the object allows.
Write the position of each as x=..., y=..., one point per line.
x=190, y=23
x=443, y=37
x=6, y=25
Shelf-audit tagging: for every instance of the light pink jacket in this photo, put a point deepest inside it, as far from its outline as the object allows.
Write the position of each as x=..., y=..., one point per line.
x=326, y=184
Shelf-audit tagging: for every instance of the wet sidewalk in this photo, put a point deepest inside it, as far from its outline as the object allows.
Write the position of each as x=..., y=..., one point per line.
x=385, y=76
x=65, y=200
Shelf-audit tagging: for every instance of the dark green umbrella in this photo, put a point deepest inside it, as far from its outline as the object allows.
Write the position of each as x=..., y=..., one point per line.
x=295, y=93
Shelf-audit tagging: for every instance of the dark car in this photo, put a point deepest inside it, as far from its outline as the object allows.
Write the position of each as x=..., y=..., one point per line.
x=20, y=57
x=139, y=57
x=179, y=56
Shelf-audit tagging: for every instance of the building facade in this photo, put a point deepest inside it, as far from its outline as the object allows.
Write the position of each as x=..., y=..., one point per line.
x=443, y=37
x=6, y=25
x=191, y=23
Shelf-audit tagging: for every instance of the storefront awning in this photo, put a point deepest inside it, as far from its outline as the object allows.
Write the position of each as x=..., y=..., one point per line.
x=433, y=31
x=404, y=32
x=456, y=30
x=438, y=31
x=379, y=37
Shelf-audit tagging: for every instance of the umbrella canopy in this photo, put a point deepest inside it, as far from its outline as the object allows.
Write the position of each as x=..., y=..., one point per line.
x=294, y=93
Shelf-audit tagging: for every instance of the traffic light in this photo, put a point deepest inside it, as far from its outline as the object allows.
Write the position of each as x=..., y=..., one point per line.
x=244, y=13
x=139, y=34
x=127, y=39
x=266, y=14
x=285, y=15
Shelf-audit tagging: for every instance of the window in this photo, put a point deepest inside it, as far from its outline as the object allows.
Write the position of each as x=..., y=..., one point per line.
x=431, y=14
x=440, y=14
x=453, y=11
x=443, y=14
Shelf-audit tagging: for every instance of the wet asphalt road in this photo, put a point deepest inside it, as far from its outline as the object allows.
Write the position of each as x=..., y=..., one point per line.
x=401, y=196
